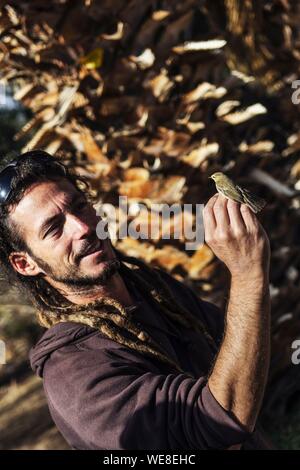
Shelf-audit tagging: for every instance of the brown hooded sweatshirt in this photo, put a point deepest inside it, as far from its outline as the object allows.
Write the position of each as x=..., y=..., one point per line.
x=103, y=395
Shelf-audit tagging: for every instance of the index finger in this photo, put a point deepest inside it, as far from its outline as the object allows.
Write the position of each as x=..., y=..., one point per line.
x=208, y=213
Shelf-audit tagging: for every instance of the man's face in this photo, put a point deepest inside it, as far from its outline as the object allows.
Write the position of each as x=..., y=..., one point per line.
x=58, y=225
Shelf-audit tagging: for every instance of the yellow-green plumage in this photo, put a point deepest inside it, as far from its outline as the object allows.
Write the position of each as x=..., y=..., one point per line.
x=226, y=186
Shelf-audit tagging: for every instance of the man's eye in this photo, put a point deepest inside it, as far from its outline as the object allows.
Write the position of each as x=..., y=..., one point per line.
x=53, y=230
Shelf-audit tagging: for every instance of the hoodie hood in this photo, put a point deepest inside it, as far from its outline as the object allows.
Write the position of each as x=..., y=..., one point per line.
x=56, y=337
x=65, y=333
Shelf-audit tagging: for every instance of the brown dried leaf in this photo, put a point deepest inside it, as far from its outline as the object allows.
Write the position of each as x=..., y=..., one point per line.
x=204, y=91
x=160, y=15
x=144, y=60
x=161, y=86
x=264, y=146
x=209, y=45
x=200, y=259
x=135, y=248
x=242, y=116
x=199, y=154
x=117, y=35
x=226, y=107
x=169, y=257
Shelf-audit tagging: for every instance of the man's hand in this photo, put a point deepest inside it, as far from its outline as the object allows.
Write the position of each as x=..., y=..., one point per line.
x=239, y=374
x=234, y=234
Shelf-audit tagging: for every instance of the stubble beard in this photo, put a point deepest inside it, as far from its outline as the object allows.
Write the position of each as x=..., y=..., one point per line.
x=71, y=278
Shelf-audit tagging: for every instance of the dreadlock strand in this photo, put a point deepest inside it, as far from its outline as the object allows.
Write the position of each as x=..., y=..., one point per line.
x=157, y=298
x=167, y=303
x=140, y=347
x=112, y=333
x=104, y=322
x=112, y=319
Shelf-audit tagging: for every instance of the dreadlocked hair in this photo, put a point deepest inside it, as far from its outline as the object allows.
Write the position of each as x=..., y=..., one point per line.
x=113, y=320
x=105, y=314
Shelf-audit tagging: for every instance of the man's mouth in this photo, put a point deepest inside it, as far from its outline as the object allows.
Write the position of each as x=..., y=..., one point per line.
x=95, y=247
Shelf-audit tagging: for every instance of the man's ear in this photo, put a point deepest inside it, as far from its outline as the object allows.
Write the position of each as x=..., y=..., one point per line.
x=24, y=264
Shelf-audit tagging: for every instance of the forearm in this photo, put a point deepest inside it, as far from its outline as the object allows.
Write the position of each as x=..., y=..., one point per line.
x=239, y=375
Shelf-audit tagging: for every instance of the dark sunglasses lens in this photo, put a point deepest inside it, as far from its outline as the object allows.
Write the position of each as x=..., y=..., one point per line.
x=6, y=177
x=9, y=172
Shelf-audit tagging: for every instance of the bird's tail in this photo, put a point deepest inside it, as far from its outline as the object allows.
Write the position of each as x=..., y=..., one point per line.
x=255, y=203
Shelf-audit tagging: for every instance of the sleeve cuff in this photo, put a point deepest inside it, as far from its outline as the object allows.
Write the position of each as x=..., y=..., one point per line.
x=225, y=428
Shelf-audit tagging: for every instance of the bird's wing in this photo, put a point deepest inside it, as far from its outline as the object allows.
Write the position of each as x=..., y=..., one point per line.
x=256, y=203
x=230, y=194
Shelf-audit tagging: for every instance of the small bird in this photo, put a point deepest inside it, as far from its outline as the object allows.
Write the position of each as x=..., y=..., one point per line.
x=229, y=189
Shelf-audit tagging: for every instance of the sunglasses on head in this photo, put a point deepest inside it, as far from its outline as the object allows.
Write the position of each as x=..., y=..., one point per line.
x=9, y=172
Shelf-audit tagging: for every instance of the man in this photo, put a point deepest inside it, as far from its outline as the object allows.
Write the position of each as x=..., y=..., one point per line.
x=132, y=358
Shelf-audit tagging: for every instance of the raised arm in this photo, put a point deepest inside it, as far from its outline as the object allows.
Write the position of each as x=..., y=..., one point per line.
x=238, y=377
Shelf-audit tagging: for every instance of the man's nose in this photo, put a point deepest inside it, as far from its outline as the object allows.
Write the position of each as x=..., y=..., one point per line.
x=80, y=228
